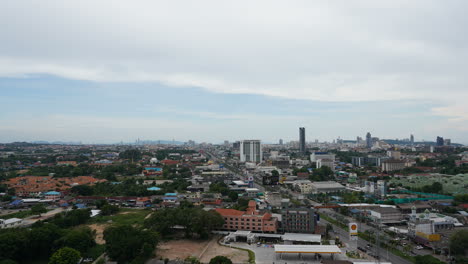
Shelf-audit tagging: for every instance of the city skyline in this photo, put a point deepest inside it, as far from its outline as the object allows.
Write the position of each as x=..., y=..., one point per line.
x=132, y=71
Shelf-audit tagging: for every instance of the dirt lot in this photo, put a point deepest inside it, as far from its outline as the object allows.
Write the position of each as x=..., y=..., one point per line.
x=99, y=233
x=203, y=250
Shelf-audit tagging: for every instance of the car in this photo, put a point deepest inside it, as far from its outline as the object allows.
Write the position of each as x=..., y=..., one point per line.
x=419, y=247
x=259, y=244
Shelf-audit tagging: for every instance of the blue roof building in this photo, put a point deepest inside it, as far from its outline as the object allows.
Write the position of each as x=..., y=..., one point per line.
x=52, y=193
x=153, y=189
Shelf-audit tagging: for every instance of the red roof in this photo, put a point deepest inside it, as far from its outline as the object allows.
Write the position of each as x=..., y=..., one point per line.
x=169, y=162
x=229, y=212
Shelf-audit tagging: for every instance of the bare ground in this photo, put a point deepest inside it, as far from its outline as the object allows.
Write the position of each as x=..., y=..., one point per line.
x=99, y=233
x=203, y=250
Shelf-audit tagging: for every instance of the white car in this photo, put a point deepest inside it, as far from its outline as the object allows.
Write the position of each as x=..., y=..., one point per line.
x=419, y=247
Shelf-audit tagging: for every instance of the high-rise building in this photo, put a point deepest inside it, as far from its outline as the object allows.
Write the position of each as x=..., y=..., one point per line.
x=447, y=142
x=411, y=139
x=439, y=141
x=302, y=142
x=281, y=141
x=251, y=151
x=368, y=140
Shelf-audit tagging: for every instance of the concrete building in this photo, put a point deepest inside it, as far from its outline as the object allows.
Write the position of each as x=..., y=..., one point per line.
x=297, y=219
x=386, y=215
x=273, y=199
x=10, y=223
x=304, y=186
x=251, y=151
x=325, y=162
x=369, y=142
x=302, y=140
x=326, y=187
x=394, y=154
x=321, y=155
x=393, y=165
x=250, y=220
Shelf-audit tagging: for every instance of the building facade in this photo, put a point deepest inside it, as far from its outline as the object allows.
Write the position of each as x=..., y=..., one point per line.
x=302, y=141
x=297, y=219
x=251, y=151
x=250, y=220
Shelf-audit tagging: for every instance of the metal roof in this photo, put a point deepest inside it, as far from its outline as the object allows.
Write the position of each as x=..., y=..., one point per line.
x=324, y=249
x=301, y=237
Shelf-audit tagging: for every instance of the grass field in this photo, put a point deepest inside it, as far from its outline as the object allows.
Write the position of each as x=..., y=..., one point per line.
x=124, y=217
x=453, y=184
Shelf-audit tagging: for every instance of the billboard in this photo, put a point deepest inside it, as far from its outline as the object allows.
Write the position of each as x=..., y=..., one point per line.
x=353, y=231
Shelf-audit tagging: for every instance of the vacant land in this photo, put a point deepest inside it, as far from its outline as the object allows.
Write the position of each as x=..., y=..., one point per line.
x=202, y=249
x=124, y=217
x=454, y=184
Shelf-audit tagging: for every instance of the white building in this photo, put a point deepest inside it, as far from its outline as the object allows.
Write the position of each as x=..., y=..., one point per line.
x=327, y=186
x=325, y=162
x=9, y=223
x=321, y=155
x=251, y=151
x=305, y=186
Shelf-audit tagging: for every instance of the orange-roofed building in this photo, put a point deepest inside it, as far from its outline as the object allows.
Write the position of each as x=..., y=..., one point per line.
x=32, y=186
x=169, y=162
x=250, y=220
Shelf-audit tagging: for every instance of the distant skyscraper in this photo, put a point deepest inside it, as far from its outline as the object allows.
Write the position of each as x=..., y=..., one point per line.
x=302, y=140
x=281, y=142
x=251, y=151
x=439, y=141
x=368, y=140
x=411, y=139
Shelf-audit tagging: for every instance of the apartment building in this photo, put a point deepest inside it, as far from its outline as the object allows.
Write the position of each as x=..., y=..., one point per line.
x=249, y=220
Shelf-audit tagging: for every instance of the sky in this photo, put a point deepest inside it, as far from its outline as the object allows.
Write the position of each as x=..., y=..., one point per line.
x=110, y=71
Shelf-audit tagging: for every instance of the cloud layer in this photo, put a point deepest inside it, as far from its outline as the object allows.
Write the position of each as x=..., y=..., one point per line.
x=330, y=51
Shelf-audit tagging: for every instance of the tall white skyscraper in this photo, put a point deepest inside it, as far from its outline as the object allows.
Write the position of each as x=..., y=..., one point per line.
x=251, y=151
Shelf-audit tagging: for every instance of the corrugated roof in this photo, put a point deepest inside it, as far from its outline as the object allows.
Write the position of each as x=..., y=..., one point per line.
x=332, y=249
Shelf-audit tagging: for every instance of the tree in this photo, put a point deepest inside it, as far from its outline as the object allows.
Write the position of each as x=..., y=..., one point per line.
x=108, y=209
x=83, y=190
x=459, y=242
x=38, y=209
x=233, y=196
x=125, y=243
x=81, y=239
x=131, y=154
x=220, y=260
x=65, y=255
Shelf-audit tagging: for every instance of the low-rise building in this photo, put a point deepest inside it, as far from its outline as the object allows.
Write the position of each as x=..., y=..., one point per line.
x=326, y=187
x=10, y=223
x=386, y=215
x=393, y=165
x=304, y=186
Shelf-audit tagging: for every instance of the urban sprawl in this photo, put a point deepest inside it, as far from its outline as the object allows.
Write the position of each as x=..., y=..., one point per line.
x=367, y=200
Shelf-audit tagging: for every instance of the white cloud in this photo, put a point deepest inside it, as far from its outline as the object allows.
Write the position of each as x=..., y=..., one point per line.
x=318, y=50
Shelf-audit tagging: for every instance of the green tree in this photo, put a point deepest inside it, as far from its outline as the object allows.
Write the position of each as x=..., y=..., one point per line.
x=459, y=242
x=84, y=190
x=65, y=255
x=81, y=239
x=220, y=260
x=233, y=196
x=108, y=209
x=38, y=209
x=131, y=154
x=125, y=243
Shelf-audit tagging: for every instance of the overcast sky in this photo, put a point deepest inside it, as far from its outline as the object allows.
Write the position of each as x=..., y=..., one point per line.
x=106, y=71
